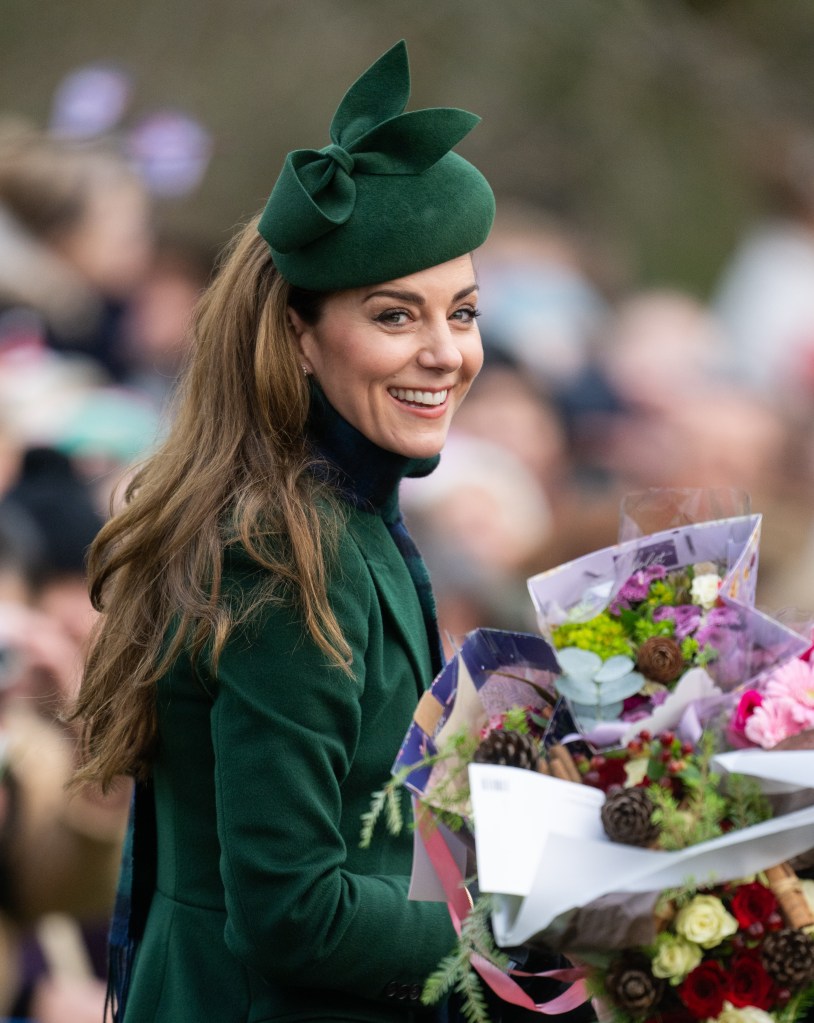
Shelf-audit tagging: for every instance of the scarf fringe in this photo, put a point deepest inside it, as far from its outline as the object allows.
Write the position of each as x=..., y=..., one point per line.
x=119, y=974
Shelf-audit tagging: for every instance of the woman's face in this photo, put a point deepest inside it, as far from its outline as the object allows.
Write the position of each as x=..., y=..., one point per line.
x=396, y=359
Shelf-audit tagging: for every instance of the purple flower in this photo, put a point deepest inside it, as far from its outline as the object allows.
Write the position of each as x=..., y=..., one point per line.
x=637, y=586
x=687, y=618
x=718, y=628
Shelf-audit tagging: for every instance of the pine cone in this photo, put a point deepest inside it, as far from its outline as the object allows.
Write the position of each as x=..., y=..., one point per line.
x=510, y=748
x=632, y=986
x=660, y=659
x=626, y=817
x=788, y=958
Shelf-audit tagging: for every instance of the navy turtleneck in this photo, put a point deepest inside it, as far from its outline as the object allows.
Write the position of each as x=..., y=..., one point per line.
x=368, y=477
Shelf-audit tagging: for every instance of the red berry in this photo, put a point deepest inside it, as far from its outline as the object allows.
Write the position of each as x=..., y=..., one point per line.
x=756, y=930
x=783, y=996
x=645, y=736
x=666, y=756
x=774, y=922
x=597, y=761
x=676, y=766
x=593, y=778
x=665, y=782
x=667, y=738
x=686, y=749
x=634, y=746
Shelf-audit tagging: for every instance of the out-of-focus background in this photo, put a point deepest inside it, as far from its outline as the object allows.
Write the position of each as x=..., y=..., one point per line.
x=647, y=313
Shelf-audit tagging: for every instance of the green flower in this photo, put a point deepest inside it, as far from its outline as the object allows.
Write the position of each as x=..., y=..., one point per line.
x=645, y=628
x=661, y=592
x=602, y=635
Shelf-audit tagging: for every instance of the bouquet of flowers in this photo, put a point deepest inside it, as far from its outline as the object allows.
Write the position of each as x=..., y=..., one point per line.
x=659, y=621
x=741, y=951
x=726, y=953
x=549, y=767
x=731, y=946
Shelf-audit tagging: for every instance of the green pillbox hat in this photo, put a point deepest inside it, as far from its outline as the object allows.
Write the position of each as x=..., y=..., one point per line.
x=386, y=198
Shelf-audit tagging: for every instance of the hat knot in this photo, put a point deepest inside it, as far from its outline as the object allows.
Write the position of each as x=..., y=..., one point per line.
x=341, y=156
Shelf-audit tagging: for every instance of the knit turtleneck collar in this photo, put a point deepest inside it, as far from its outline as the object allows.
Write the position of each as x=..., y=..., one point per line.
x=365, y=475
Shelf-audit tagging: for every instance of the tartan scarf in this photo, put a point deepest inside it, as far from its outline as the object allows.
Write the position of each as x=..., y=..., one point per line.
x=134, y=893
x=365, y=476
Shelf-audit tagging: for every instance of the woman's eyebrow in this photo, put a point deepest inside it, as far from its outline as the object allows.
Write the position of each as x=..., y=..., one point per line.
x=414, y=297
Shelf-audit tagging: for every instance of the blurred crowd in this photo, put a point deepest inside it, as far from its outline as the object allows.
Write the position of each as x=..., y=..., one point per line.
x=591, y=389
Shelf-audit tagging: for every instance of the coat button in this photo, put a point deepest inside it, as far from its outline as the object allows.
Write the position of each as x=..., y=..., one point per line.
x=415, y=993
x=404, y=992
x=392, y=989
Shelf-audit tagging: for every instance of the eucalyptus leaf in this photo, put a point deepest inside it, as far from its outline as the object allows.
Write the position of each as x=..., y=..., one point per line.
x=621, y=688
x=615, y=667
x=579, y=690
x=588, y=716
x=578, y=663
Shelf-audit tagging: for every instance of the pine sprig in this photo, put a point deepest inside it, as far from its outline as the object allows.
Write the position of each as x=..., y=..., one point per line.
x=448, y=799
x=747, y=804
x=697, y=819
x=455, y=972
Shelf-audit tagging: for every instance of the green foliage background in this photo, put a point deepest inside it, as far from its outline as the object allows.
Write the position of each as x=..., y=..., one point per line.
x=642, y=122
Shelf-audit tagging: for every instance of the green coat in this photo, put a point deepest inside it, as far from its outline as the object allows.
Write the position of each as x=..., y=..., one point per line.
x=265, y=906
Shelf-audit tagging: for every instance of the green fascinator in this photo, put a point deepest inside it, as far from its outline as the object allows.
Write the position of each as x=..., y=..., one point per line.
x=386, y=198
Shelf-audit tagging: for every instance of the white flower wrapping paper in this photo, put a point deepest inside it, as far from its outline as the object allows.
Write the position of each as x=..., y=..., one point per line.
x=543, y=855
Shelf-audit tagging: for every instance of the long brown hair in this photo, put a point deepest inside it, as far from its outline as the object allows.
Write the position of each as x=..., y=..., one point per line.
x=233, y=469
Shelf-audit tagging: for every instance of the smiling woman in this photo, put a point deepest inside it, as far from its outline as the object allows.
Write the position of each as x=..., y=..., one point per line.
x=267, y=624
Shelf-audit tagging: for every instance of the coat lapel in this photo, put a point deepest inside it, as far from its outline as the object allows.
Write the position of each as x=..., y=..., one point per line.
x=401, y=609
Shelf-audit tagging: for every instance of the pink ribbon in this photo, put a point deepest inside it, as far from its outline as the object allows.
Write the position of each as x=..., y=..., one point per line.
x=459, y=907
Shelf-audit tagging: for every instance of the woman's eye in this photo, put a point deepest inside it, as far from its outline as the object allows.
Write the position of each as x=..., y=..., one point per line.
x=393, y=317
x=466, y=314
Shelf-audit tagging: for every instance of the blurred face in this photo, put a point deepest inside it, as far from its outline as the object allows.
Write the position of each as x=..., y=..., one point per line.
x=397, y=359
x=111, y=245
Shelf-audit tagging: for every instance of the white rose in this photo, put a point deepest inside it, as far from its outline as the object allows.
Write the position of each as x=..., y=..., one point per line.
x=748, y=1014
x=704, y=590
x=675, y=957
x=705, y=921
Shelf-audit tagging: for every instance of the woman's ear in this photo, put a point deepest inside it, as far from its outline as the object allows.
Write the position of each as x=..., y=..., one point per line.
x=296, y=323
x=299, y=330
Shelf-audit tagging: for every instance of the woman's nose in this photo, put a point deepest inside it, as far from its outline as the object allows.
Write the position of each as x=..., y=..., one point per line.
x=440, y=349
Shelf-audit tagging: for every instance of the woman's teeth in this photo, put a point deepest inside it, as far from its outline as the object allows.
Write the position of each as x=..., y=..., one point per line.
x=419, y=397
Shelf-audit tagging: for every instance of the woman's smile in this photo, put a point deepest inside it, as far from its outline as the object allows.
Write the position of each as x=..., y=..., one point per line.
x=424, y=401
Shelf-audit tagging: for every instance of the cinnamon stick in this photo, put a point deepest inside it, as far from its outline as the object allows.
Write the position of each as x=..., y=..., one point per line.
x=786, y=887
x=562, y=764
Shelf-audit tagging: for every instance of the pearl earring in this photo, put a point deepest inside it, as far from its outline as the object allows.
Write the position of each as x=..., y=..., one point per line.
x=305, y=370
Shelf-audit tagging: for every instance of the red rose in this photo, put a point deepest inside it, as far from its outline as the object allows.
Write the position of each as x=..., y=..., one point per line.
x=748, y=983
x=704, y=990
x=753, y=903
